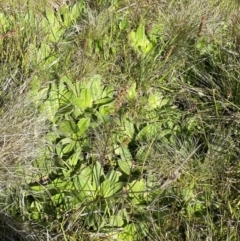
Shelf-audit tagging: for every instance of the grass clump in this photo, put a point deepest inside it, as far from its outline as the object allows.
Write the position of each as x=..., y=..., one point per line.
x=120, y=120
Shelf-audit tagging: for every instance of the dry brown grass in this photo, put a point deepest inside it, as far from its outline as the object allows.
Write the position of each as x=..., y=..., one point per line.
x=21, y=138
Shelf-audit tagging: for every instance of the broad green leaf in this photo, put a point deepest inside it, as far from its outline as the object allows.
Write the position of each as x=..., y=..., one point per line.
x=124, y=214
x=54, y=25
x=108, y=189
x=103, y=101
x=50, y=16
x=77, y=113
x=36, y=187
x=138, y=40
x=123, y=24
x=116, y=221
x=129, y=128
x=136, y=187
x=64, y=15
x=59, y=184
x=58, y=198
x=86, y=98
x=76, y=10
x=107, y=92
x=188, y=193
x=50, y=108
x=73, y=160
x=124, y=153
x=68, y=148
x=137, y=190
x=82, y=183
x=147, y=133
x=78, y=102
x=64, y=109
x=113, y=176
x=125, y=166
x=98, y=174
x=106, y=110
x=142, y=153
x=164, y=133
x=96, y=87
x=141, y=38
x=128, y=233
x=68, y=204
x=44, y=25
x=5, y=21
x=156, y=101
x=67, y=143
x=132, y=93
x=117, y=187
x=68, y=127
x=105, y=189
x=65, y=97
x=83, y=125
x=125, y=162
x=36, y=210
x=66, y=82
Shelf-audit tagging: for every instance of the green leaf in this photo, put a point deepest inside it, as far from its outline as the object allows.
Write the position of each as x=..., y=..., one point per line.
x=105, y=189
x=58, y=198
x=124, y=153
x=69, y=147
x=65, y=96
x=36, y=187
x=125, y=166
x=138, y=40
x=141, y=38
x=51, y=106
x=106, y=110
x=76, y=10
x=129, y=128
x=108, y=92
x=113, y=176
x=64, y=15
x=142, y=153
x=98, y=174
x=147, y=133
x=96, y=87
x=123, y=24
x=132, y=93
x=103, y=101
x=115, y=221
x=136, y=188
x=83, y=125
x=36, y=210
x=86, y=98
x=125, y=163
x=128, y=233
x=82, y=184
x=59, y=184
x=50, y=16
x=64, y=109
x=108, y=189
x=156, y=101
x=73, y=160
x=68, y=127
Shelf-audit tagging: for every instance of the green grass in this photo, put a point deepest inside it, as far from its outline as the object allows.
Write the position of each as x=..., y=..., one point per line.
x=119, y=120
